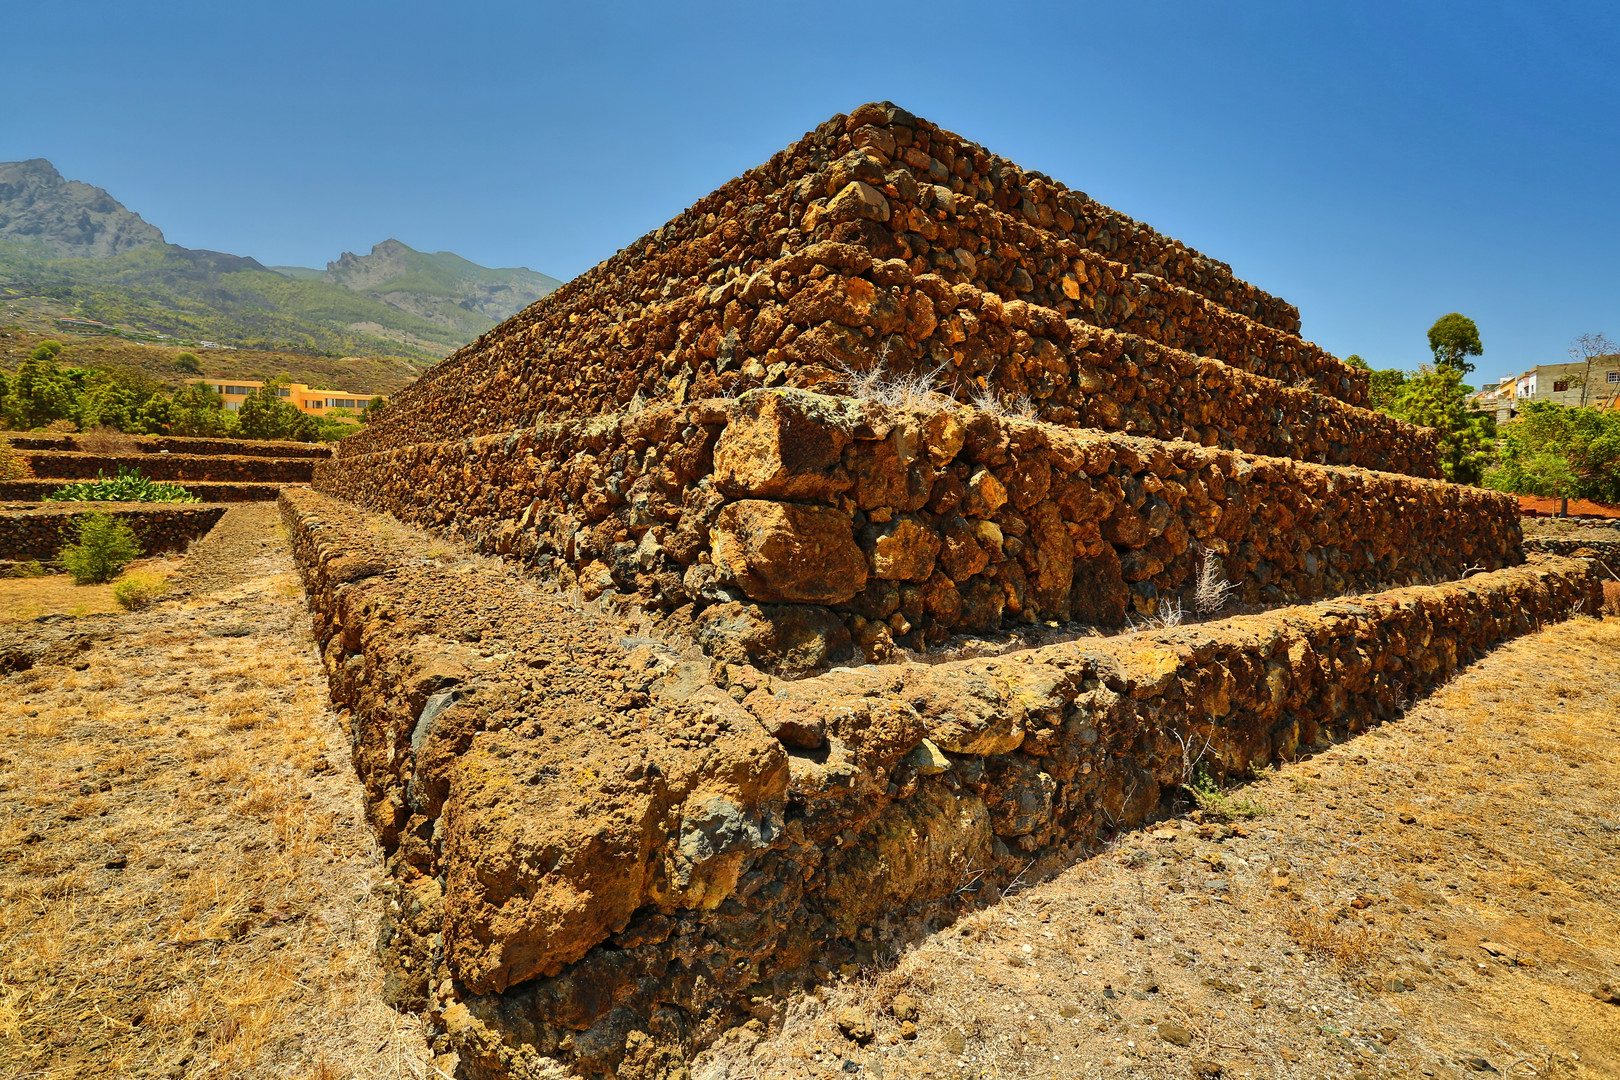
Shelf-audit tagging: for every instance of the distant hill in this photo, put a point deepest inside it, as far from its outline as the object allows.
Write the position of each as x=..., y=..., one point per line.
x=443, y=288
x=66, y=245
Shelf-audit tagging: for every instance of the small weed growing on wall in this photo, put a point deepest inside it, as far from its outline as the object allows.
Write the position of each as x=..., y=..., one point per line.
x=1206, y=792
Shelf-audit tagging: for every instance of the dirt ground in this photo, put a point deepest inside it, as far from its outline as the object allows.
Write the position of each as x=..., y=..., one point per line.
x=186, y=882
x=1438, y=898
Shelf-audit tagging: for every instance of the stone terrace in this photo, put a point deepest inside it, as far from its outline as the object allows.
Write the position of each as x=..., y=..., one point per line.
x=694, y=737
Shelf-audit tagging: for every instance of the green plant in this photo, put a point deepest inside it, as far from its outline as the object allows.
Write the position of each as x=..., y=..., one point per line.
x=105, y=546
x=27, y=568
x=134, y=591
x=130, y=485
x=1206, y=792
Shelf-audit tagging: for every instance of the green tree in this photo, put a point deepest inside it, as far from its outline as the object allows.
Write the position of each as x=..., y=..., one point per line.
x=42, y=390
x=197, y=411
x=188, y=363
x=373, y=409
x=120, y=398
x=105, y=546
x=1551, y=449
x=1436, y=398
x=1452, y=339
x=1384, y=385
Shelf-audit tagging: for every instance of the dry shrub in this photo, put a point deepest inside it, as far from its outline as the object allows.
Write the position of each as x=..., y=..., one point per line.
x=13, y=466
x=134, y=590
x=1611, y=598
x=1314, y=932
x=106, y=441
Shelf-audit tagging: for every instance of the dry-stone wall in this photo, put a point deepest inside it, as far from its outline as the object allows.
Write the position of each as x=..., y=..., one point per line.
x=1605, y=552
x=589, y=838
x=863, y=246
x=216, y=468
x=795, y=530
x=38, y=532
x=173, y=444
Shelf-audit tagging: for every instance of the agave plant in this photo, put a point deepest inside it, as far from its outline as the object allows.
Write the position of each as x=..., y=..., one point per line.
x=130, y=485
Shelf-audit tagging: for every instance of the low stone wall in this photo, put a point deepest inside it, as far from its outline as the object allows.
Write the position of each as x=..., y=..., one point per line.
x=207, y=491
x=175, y=444
x=1606, y=553
x=591, y=840
x=180, y=468
x=830, y=525
x=38, y=532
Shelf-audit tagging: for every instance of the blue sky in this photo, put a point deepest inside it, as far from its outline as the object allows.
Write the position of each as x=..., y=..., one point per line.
x=1377, y=164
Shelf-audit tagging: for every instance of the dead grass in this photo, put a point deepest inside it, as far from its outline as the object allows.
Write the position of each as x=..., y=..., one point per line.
x=23, y=599
x=185, y=876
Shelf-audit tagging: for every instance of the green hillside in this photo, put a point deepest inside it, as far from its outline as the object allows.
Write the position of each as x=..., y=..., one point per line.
x=203, y=294
x=74, y=250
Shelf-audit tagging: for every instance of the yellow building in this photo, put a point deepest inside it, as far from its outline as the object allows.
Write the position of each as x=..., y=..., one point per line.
x=301, y=397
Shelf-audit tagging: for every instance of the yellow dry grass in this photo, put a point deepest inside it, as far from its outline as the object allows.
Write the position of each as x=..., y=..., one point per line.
x=22, y=599
x=185, y=876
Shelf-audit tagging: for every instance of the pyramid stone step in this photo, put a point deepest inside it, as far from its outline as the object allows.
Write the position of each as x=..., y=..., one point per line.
x=873, y=524
x=591, y=839
x=812, y=264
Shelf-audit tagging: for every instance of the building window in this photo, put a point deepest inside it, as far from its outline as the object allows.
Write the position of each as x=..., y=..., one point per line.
x=1611, y=376
x=1560, y=386
x=282, y=391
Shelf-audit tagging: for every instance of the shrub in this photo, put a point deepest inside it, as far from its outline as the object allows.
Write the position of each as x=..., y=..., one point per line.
x=130, y=485
x=27, y=568
x=134, y=591
x=105, y=546
x=106, y=441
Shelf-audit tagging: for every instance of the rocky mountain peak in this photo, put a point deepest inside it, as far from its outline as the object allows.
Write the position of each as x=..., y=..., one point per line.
x=71, y=219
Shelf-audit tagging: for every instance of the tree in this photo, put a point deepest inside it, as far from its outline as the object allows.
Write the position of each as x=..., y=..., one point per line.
x=1452, y=338
x=42, y=391
x=105, y=546
x=1384, y=385
x=1562, y=451
x=373, y=409
x=188, y=363
x=263, y=415
x=1584, y=350
x=1436, y=398
x=197, y=411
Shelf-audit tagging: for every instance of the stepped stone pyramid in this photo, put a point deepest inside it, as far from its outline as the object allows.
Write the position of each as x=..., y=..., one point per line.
x=886, y=395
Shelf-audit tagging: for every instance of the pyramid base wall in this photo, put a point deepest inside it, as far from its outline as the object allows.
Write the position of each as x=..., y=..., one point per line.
x=788, y=828
x=794, y=531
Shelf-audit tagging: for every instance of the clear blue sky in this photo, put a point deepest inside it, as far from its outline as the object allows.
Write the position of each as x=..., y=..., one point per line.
x=1377, y=164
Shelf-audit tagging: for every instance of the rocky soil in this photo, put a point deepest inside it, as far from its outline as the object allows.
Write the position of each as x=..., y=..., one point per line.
x=185, y=875
x=1437, y=898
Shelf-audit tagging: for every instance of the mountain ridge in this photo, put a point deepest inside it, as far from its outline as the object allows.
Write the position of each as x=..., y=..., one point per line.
x=71, y=242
